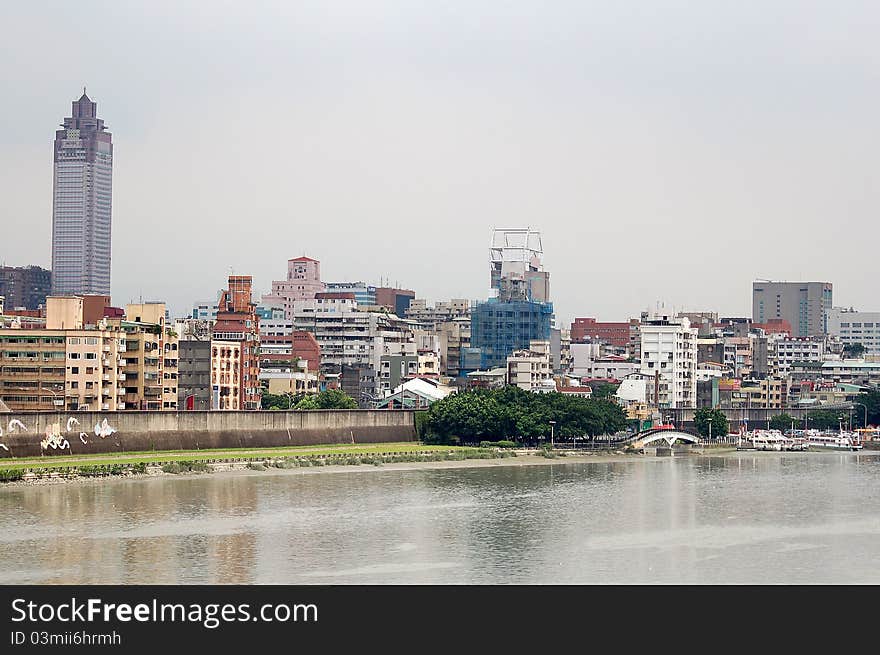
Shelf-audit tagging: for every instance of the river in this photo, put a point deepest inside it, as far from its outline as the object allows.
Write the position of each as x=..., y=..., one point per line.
x=736, y=518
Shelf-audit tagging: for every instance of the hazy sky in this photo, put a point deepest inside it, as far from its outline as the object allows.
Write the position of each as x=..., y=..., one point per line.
x=667, y=150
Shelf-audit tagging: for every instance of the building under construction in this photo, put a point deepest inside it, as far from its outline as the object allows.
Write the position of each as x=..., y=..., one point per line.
x=520, y=310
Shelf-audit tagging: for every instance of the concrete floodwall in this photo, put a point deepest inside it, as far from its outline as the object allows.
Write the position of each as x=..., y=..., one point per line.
x=47, y=433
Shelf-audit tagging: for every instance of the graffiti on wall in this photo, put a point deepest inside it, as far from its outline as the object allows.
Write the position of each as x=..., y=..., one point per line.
x=54, y=436
x=14, y=426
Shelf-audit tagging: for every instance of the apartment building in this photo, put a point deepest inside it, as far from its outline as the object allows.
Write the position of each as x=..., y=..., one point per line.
x=235, y=348
x=530, y=368
x=151, y=362
x=350, y=337
x=669, y=354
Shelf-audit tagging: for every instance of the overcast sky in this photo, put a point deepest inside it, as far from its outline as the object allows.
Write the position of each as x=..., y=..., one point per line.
x=668, y=151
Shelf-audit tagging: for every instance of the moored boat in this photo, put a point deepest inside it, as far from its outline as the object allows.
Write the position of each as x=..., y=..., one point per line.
x=832, y=440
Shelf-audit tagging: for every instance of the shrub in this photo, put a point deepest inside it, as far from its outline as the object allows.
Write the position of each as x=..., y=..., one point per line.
x=139, y=467
x=172, y=467
x=11, y=475
x=256, y=466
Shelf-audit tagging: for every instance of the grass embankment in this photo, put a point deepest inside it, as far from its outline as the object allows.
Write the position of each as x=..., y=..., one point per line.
x=99, y=465
x=148, y=457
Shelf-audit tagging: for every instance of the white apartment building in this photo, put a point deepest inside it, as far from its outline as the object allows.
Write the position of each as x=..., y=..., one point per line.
x=797, y=349
x=530, y=368
x=349, y=336
x=587, y=362
x=441, y=312
x=856, y=327
x=669, y=349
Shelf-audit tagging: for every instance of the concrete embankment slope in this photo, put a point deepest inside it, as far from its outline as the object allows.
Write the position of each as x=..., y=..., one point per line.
x=103, y=432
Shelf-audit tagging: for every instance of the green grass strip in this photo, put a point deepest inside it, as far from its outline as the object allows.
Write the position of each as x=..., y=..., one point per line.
x=100, y=459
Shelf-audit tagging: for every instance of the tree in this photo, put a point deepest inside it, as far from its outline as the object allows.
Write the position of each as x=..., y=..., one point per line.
x=825, y=419
x=719, y=422
x=871, y=400
x=335, y=399
x=783, y=422
x=305, y=403
x=604, y=390
x=511, y=413
x=854, y=350
x=276, y=401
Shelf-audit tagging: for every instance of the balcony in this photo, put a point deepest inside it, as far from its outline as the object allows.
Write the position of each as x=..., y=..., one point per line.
x=106, y=377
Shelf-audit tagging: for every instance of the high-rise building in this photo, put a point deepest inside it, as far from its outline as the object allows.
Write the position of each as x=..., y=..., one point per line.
x=25, y=286
x=521, y=310
x=151, y=358
x=669, y=356
x=805, y=305
x=856, y=327
x=81, y=203
x=235, y=348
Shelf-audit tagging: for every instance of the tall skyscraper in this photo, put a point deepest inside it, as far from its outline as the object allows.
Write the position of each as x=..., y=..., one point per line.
x=81, y=203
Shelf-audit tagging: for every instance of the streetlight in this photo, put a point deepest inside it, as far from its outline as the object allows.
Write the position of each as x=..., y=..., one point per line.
x=866, y=412
x=552, y=423
x=710, y=427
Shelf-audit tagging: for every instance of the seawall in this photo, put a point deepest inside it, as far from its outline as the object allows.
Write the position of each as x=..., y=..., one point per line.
x=48, y=433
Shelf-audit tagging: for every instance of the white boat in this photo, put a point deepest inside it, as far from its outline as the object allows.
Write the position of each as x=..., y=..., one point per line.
x=832, y=440
x=770, y=440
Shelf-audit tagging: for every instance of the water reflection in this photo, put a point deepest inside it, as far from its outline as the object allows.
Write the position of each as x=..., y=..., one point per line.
x=742, y=518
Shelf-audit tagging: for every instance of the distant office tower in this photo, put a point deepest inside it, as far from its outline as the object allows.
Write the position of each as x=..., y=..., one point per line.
x=805, y=305
x=81, y=203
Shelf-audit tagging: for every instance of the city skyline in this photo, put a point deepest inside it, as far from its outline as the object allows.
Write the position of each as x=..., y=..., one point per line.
x=680, y=169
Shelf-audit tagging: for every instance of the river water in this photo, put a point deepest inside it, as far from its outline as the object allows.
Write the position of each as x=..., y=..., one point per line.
x=737, y=518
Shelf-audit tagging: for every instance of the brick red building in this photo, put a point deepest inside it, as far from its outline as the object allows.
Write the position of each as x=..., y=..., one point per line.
x=584, y=329
x=297, y=345
x=235, y=345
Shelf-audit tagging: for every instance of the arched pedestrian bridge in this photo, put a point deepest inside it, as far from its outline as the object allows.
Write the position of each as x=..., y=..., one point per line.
x=668, y=435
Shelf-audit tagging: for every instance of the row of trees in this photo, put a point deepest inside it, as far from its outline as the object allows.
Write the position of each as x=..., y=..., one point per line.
x=329, y=399
x=510, y=413
x=819, y=419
